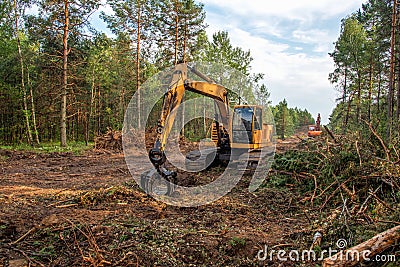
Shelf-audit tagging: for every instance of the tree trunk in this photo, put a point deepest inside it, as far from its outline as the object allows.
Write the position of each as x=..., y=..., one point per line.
x=345, y=91
x=176, y=32
x=398, y=79
x=283, y=123
x=99, y=107
x=21, y=62
x=184, y=44
x=371, y=84
x=346, y=121
x=358, y=113
x=86, y=129
x=138, y=64
x=357, y=254
x=92, y=104
x=63, y=128
x=33, y=110
x=378, y=97
x=391, y=76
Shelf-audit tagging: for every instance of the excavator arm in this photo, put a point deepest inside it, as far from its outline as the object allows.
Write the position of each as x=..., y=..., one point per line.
x=172, y=99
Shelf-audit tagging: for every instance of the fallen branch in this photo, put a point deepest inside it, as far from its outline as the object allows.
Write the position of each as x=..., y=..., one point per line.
x=29, y=259
x=315, y=187
x=291, y=174
x=381, y=201
x=99, y=260
x=66, y=206
x=57, y=203
x=330, y=134
x=380, y=140
x=23, y=236
x=335, y=191
x=364, y=251
x=126, y=256
x=390, y=222
x=366, y=200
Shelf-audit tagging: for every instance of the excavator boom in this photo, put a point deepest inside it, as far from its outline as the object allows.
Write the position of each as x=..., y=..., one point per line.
x=172, y=99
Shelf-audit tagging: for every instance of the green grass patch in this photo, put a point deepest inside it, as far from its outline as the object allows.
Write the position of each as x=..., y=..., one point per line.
x=51, y=147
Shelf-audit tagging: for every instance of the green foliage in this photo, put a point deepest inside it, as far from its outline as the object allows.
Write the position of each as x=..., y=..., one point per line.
x=345, y=162
x=349, y=178
x=279, y=181
x=74, y=147
x=220, y=50
x=237, y=242
x=177, y=27
x=289, y=120
x=363, y=73
x=102, y=70
x=263, y=95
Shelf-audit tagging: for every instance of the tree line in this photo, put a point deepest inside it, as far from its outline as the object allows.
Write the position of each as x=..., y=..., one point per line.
x=367, y=71
x=64, y=80
x=290, y=120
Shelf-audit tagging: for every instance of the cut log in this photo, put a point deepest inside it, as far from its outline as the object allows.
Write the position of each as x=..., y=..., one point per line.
x=364, y=251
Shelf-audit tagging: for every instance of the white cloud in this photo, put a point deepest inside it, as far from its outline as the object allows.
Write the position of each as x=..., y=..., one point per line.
x=106, y=8
x=289, y=44
x=298, y=77
x=290, y=9
x=313, y=36
x=320, y=39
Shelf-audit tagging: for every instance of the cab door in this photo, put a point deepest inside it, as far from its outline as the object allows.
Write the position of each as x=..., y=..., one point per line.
x=242, y=126
x=257, y=128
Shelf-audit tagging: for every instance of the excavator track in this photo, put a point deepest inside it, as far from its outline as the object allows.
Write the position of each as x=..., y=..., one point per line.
x=154, y=184
x=199, y=160
x=248, y=162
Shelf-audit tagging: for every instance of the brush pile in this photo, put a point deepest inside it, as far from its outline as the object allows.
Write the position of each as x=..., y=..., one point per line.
x=354, y=181
x=111, y=140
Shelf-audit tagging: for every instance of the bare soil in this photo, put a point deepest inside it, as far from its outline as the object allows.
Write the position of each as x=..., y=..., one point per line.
x=61, y=209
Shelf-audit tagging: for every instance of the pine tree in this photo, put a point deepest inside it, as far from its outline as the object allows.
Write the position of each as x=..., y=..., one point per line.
x=178, y=23
x=66, y=18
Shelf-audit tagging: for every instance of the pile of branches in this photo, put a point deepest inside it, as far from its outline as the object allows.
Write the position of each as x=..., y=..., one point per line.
x=348, y=168
x=111, y=140
x=354, y=180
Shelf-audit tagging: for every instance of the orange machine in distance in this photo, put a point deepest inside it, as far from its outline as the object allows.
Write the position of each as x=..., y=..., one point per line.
x=315, y=130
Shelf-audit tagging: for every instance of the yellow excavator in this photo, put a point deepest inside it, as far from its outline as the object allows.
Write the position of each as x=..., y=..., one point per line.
x=231, y=134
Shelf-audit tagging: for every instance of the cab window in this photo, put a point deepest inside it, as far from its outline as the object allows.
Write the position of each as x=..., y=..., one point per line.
x=258, y=119
x=243, y=117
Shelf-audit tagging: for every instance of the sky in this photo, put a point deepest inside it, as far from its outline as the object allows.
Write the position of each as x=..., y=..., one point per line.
x=289, y=41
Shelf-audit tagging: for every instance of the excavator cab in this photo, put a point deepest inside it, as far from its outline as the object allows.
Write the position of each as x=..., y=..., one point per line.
x=248, y=129
x=244, y=125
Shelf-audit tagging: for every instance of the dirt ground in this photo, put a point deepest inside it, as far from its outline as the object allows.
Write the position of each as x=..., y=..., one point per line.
x=61, y=209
